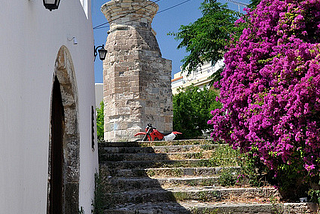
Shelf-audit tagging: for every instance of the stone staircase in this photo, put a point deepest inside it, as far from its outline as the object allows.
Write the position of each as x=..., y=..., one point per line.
x=178, y=177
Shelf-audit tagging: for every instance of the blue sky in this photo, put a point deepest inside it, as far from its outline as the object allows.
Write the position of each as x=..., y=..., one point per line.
x=163, y=23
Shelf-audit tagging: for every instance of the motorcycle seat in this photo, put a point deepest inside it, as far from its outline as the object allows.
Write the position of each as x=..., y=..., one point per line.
x=165, y=133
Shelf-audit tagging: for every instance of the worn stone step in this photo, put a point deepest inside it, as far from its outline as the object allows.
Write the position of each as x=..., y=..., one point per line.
x=115, y=149
x=194, y=207
x=149, y=208
x=166, y=163
x=155, y=156
x=185, y=148
x=188, y=181
x=187, y=171
x=164, y=172
x=197, y=207
x=155, y=143
x=156, y=163
x=204, y=194
x=159, y=149
x=116, y=184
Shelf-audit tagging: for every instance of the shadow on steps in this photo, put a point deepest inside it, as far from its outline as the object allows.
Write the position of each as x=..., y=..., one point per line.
x=126, y=169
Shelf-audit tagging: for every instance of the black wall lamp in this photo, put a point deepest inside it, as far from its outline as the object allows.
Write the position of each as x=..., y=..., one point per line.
x=102, y=52
x=51, y=4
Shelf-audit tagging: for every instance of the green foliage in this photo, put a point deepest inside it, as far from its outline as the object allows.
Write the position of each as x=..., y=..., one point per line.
x=206, y=38
x=98, y=203
x=292, y=184
x=277, y=208
x=253, y=172
x=253, y=3
x=314, y=195
x=314, y=190
x=224, y=155
x=228, y=177
x=216, y=76
x=100, y=122
x=204, y=211
x=191, y=110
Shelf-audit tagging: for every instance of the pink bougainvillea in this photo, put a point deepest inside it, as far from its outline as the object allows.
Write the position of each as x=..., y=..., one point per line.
x=270, y=89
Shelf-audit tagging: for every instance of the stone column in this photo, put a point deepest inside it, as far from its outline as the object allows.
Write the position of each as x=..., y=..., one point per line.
x=137, y=80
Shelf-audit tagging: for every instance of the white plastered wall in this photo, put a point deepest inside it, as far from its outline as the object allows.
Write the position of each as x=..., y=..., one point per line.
x=31, y=37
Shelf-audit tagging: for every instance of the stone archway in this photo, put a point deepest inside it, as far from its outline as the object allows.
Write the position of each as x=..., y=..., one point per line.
x=64, y=144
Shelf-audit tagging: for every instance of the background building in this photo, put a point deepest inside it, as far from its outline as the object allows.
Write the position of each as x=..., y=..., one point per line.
x=198, y=77
x=99, y=94
x=48, y=149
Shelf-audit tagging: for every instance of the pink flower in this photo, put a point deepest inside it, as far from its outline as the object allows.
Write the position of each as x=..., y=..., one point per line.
x=309, y=167
x=270, y=87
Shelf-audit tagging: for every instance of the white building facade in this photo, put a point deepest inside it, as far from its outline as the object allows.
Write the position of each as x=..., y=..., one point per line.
x=48, y=151
x=198, y=77
x=99, y=94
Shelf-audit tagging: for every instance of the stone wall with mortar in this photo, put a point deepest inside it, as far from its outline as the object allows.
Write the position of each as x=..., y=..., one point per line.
x=137, y=80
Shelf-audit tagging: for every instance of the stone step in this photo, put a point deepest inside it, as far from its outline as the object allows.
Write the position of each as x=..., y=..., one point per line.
x=204, y=194
x=188, y=181
x=197, y=207
x=165, y=163
x=164, y=172
x=174, y=177
x=154, y=156
x=159, y=149
x=116, y=184
x=193, y=207
x=155, y=143
x=115, y=150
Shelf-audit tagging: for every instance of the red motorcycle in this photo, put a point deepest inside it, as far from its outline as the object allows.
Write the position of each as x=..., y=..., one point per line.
x=152, y=134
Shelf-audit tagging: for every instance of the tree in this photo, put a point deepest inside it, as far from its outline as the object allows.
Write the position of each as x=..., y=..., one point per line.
x=191, y=110
x=270, y=91
x=205, y=39
x=253, y=4
x=100, y=122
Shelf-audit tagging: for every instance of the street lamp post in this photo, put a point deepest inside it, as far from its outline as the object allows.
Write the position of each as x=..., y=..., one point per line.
x=102, y=52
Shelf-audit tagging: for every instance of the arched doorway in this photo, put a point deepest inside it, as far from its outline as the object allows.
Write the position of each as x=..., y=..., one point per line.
x=64, y=144
x=56, y=172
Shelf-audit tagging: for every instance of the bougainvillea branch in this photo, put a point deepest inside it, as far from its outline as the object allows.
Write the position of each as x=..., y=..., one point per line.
x=270, y=88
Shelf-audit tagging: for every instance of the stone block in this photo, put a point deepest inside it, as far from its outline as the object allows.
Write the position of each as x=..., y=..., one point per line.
x=71, y=197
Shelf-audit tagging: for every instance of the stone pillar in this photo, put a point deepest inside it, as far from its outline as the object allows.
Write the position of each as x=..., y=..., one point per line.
x=137, y=80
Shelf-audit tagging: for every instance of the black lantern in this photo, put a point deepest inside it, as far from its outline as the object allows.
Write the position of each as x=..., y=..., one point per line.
x=51, y=4
x=102, y=52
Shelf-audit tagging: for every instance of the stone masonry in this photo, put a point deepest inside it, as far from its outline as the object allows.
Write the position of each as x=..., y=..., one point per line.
x=137, y=80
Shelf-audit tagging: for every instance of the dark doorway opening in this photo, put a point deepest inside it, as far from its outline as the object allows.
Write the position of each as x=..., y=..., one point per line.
x=56, y=152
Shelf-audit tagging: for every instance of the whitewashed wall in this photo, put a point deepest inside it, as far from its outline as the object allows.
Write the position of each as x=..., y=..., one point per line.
x=99, y=94
x=30, y=37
